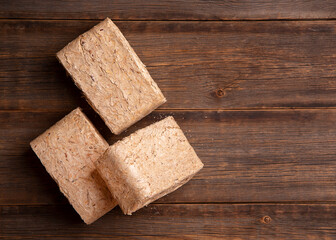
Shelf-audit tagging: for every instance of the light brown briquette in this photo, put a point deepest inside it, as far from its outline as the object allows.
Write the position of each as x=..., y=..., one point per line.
x=112, y=77
x=148, y=164
x=68, y=151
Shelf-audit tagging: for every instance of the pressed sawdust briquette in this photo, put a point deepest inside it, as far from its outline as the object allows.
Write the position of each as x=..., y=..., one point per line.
x=148, y=164
x=68, y=151
x=112, y=77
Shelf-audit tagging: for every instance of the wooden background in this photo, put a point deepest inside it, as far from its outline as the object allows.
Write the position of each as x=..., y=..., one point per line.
x=251, y=83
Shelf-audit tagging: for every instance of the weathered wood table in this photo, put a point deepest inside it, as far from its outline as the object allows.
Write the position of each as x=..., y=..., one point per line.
x=253, y=86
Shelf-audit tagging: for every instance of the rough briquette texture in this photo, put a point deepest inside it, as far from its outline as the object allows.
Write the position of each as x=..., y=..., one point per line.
x=68, y=151
x=148, y=164
x=112, y=77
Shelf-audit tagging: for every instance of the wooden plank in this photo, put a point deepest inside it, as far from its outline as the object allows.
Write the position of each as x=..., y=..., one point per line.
x=249, y=156
x=198, y=65
x=182, y=221
x=169, y=10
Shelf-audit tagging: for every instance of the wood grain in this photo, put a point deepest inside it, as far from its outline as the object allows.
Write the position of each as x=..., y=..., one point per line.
x=198, y=65
x=169, y=10
x=231, y=84
x=249, y=156
x=182, y=221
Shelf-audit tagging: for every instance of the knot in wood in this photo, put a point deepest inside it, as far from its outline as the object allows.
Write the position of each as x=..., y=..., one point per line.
x=220, y=93
x=266, y=219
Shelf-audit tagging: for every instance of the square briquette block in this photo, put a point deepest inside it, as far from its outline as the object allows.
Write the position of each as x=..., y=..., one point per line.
x=68, y=151
x=115, y=82
x=148, y=164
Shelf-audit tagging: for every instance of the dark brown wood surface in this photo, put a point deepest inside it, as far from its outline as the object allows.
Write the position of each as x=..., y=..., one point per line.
x=169, y=9
x=256, y=99
x=255, y=64
x=175, y=221
x=249, y=156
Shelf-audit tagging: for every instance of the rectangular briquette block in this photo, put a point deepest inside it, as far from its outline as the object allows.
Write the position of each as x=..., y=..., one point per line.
x=68, y=151
x=112, y=77
x=148, y=164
